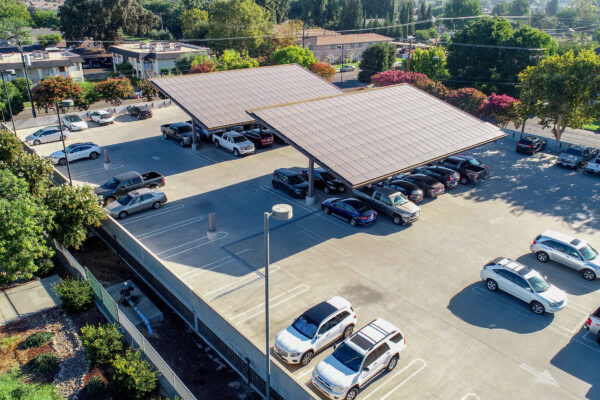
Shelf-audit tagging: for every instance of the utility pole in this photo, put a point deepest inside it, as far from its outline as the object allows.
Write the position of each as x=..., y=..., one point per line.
x=20, y=46
x=409, y=55
x=303, y=33
x=539, y=55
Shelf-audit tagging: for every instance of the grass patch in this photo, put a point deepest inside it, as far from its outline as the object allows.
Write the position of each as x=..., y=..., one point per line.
x=7, y=342
x=594, y=126
x=12, y=387
x=38, y=339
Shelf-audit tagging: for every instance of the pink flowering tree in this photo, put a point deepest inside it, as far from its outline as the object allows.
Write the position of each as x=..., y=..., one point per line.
x=502, y=108
x=417, y=79
x=203, y=67
x=467, y=99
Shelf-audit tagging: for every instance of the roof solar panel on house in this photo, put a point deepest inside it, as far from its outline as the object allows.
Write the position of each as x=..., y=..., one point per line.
x=366, y=136
x=220, y=99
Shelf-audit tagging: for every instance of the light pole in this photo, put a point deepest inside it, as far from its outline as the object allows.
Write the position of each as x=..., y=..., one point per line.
x=281, y=212
x=342, y=68
x=20, y=46
x=58, y=105
x=11, y=72
x=437, y=69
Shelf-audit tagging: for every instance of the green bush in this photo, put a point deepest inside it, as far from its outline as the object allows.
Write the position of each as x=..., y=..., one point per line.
x=10, y=146
x=101, y=342
x=38, y=339
x=76, y=294
x=133, y=376
x=45, y=363
x=95, y=387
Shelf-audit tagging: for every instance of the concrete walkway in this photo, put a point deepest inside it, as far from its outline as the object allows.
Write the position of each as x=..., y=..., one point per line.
x=575, y=136
x=27, y=299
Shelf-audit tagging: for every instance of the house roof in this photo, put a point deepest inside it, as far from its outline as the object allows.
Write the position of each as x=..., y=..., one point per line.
x=157, y=50
x=352, y=38
x=39, y=60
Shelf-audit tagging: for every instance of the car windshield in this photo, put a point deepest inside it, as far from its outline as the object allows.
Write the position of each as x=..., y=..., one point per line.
x=295, y=179
x=349, y=357
x=327, y=176
x=125, y=199
x=474, y=162
x=238, y=139
x=574, y=151
x=588, y=252
x=112, y=183
x=538, y=283
x=38, y=133
x=74, y=118
x=526, y=141
x=185, y=128
x=70, y=148
x=305, y=326
x=399, y=199
x=360, y=207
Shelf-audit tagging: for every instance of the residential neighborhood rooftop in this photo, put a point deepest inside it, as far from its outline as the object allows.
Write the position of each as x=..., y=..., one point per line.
x=352, y=38
x=39, y=59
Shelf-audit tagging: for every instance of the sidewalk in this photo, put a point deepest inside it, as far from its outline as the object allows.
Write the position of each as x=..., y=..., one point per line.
x=27, y=299
x=575, y=136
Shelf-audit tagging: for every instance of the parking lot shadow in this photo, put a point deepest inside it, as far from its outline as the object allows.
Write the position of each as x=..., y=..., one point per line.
x=565, y=278
x=536, y=184
x=478, y=306
x=579, y=358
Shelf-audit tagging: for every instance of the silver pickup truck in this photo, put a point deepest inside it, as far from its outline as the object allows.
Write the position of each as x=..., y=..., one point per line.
x=391, y=202
x=593, y=166
x=593, y=324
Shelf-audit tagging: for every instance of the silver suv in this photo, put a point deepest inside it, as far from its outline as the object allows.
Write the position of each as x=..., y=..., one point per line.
x=569, y=251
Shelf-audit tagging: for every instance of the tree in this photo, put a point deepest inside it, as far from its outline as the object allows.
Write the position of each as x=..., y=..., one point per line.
x=36, y=171
x=287, y=34
x=564, y=90
x=49, y=39
x=15, y=28
x=460, y=8
x=293, y=54
x=376, y=58
x=125, y=68
x=203, y=67
x=277, y=8
x=518, y=7
x=23, y=249
x=315, y=12
x=10, y=146
x=567, y=17
x=500, y=8
x=114, y=90
x=239, y=18
x=169, y=13
x=148, y=89
x=410, y=9
x=184, y=63
x=467, y=99
x=501, y=108
x=21, y=85
x=423, y=61
x=104, y=20
x=404, y=19
x=194, y=23
x=45, y=18
x=76, y=209
x=14, y=9
x=551, y=8
x=54, y=89
x=351, y=15
x=89, y=94
x=14, y=97
x=323, y=70
x=231, y=59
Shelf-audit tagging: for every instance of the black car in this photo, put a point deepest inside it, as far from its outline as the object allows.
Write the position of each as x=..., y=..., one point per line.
x=410, y=190
x=139, y=112
x=530, y=145
x=290, y=181
x=324, y=181
x=448, y=177
x=430, y=186
x=470, y=168
x=259, y=138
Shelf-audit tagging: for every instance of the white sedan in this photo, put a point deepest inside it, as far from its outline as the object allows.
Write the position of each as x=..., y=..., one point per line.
x=46, y=135
x=76, y=151
x=101, y=117
x=74, y=123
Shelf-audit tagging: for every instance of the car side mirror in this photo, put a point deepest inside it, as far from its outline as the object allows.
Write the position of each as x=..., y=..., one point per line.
x=365, y=369
x=334, y=345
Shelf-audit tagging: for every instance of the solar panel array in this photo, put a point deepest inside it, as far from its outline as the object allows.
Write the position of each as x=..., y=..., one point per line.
x=369, y=135
x=220, y=99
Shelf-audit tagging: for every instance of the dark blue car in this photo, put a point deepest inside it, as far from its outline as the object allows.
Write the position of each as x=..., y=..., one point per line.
x=352, y=210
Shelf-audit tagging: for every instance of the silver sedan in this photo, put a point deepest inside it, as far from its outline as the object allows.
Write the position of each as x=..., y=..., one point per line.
x=136, y=201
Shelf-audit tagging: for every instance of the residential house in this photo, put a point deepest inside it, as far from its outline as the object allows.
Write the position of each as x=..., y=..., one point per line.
x=330, y=48
x=41, y=64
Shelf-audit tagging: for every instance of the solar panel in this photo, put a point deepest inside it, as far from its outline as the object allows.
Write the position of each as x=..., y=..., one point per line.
x=366, y=136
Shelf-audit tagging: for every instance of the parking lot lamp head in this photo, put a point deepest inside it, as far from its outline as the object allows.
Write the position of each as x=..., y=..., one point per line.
x=282, y=212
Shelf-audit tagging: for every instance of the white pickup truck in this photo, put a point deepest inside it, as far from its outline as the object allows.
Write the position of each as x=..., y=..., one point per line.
x=234, y=142
x=593, y=166
x=593, y=324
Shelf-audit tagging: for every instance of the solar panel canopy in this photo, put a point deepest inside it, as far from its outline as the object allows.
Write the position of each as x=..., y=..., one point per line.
x=366, y=136
x=220, y=99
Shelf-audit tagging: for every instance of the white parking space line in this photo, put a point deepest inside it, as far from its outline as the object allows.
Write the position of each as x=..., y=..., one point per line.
x=298, y=290
x=579, y=324
x=470, y=396
x=286, y=198
x=165, y=210
x=246, y=278
x=220, y=235
x=96, y=171
x=399, y=385
x=210, y=266
x=589, y=337
x=304, y=373
x=169, y=228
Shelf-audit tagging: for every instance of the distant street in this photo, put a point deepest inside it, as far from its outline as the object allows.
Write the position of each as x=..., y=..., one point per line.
x=350, y=80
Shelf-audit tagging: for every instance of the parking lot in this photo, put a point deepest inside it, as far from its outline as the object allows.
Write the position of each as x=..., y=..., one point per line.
x=463, y=342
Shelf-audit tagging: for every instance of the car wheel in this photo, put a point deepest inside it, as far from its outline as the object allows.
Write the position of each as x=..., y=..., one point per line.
x=326, y=209
x=352, y=393
x=342, y=189
x=157, y=205
x=326, y=189
x=62, y=161
x=348, y=331
x=542, y=256
x=392, y=364
x=153, y=186
x=588, y=275
x=275, y=185
x=306, y=358
x=236, y=152
x=165, y=136
x=94, y=155
x=464, y=180
x=537, y=307
x=352, y=222
x=217, y=144
x=123, y=215
x=397, y=219
x=182, y=143
x=109, y=200
x=293, y=194
x=491, y=285
x=36, y=142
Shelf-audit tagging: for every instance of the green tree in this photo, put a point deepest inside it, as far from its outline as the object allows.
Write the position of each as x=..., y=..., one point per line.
x=105, y=20
x=148, y=89
x=376, y=58
x=45, y=18
x=293, y=54
x=15, y=98
x=500, y=8
x=115, y=90
x=14, y=9
x=54, y=89
x=567, y=17
x=277, y=8
x=564, y=90
x=351, y=16
x=10, y=146
x=76, y=209
x=125, y=68
x=15, y=28
x=194, y=23
x=21, y=84
x=460, y=8
x=231, y=59
x=403, y=15
x=239, y=18
x=133, y=376
x=314, y=12
x=519, y=7
x=552, y=8
x=184, y=63
x=89, y=94
x=423, y=61
x=410, y=8
x=49, y=39
x=36, y=171
x=169, y=13
x=23, y=249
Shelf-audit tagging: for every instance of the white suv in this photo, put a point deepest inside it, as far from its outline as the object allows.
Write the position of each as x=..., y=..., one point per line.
x=569, y=251
x=76, y=151
x=359, y=359
x=101, y=117
x=314, y=330
x=524, y=283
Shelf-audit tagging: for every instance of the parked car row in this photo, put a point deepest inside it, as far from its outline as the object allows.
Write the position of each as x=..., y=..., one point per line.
x=355, y=362
x=574, y=156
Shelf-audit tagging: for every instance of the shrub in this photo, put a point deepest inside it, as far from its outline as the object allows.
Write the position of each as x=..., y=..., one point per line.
x=467, y=99
x=324, y=70
x=133, y=376
x=38, y=339
x=95, y=387
x=10, y=146
x=76, y=294
x=101, y=342
x=45, y=363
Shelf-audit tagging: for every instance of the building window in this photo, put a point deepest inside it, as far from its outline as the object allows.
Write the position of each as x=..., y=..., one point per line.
x=352, y=45
x=333, y=46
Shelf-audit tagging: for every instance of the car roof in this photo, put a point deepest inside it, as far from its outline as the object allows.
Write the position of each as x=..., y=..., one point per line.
x=386, y=190
x=513, y=265
x=137, y=192
x=323, y=310
x=352, y=201
x=424, y=178
x=287, y=172
x=401, y=182
x=233, y=133
x=563, y=237
x=529, y=137
x=372, y=334
x=82, y=144
x=127, y=175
